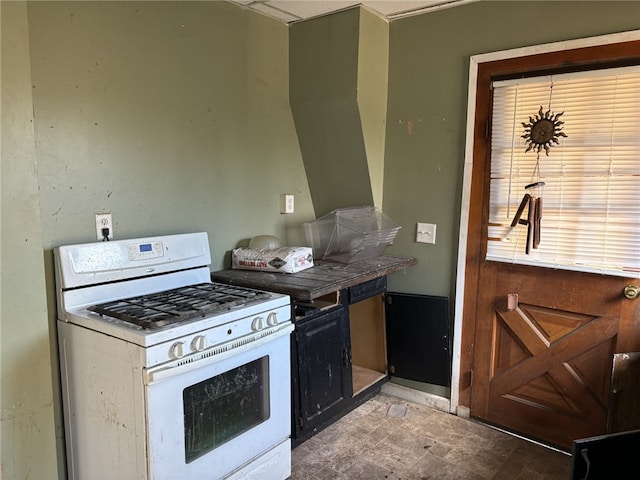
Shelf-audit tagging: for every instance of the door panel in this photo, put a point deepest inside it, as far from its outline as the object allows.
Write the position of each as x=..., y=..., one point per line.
x=418, y=338
x=323, y=366
x=545, y=364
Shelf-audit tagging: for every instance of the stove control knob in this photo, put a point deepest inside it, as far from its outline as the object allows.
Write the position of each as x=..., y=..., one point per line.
x=176, y=350
x=257, y=324
x=198, y=343
x=272, y=319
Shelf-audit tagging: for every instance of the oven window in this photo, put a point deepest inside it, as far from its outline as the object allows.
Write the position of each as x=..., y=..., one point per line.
x=223, y=407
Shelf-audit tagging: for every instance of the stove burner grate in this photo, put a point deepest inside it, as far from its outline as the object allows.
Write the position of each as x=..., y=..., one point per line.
x=159, y=309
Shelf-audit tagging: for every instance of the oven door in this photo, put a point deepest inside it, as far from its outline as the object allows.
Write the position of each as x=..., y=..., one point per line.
x=208, y=418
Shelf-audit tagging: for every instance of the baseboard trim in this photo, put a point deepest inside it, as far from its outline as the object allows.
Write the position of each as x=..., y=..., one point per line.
x=416, y=396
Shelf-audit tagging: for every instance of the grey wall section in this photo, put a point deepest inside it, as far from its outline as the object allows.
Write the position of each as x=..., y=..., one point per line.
x=323, y=95
x=428, y=80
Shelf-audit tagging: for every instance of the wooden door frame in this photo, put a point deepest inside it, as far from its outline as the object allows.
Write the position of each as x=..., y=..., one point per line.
x=474, y=185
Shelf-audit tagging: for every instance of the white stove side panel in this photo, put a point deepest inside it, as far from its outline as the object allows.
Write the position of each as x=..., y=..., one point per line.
x=103, y=399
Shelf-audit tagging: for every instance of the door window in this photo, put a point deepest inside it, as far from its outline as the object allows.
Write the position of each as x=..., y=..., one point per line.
x=582, y=205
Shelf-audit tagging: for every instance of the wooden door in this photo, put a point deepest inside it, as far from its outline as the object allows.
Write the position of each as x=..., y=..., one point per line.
x=542, y=367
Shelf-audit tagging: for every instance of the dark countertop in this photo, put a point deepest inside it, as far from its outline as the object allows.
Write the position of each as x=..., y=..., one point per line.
x=323, y=278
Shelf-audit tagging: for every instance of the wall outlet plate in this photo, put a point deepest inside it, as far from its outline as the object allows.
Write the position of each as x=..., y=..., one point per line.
x=103, y=221
x=286, y=203
x=426, y=233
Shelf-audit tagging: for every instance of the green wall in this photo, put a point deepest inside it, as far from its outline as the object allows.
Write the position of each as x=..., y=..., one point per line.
x=173, y=117
x=373, y=78
x=28, y=421
x=338, y=92
x=428, y=80
x=323, y=95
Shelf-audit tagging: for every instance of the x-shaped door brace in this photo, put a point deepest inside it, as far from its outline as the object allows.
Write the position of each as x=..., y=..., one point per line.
x=552, y=358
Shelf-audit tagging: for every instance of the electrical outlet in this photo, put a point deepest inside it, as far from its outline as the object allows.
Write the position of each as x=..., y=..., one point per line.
x=103, y=221
x=286, y=203
x=426, y=233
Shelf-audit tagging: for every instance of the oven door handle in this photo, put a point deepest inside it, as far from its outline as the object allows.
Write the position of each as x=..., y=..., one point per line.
x=215, y=354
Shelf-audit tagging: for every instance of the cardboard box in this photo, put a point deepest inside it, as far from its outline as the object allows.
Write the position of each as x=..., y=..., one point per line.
x=283, y=259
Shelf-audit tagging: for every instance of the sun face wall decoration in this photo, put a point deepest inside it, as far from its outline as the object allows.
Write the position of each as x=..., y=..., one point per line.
x=543, y=131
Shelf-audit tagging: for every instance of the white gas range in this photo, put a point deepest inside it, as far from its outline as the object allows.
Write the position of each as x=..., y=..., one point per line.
x=166, y=374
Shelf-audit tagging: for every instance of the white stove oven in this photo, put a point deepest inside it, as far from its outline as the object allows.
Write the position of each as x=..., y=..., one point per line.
x=166, y=375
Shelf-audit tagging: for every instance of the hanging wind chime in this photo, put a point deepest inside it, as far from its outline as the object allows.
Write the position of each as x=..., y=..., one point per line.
x=541, y=133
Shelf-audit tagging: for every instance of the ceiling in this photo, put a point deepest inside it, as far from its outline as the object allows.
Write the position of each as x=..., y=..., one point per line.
x=289, y=11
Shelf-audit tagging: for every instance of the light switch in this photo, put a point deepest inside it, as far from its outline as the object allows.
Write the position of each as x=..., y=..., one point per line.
x=426, y=233
x=286, y=203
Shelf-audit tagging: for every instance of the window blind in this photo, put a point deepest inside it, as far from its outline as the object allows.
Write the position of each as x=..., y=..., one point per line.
x=590, y=218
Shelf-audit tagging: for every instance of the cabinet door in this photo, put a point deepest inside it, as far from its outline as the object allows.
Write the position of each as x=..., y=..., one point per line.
x=418, y=340
x=324, y=367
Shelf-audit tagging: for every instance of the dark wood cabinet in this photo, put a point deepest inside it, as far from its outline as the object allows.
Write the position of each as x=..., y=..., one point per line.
x=338, y=347
x=339, y=356
x=419, y=338
x=321, y=361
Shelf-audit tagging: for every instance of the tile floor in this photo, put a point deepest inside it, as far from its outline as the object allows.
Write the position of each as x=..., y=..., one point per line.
x=388, y=438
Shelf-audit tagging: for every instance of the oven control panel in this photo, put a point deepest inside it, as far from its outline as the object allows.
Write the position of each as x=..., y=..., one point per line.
x=217, y=336
x=145, y=251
